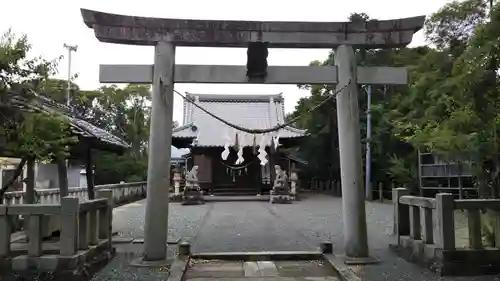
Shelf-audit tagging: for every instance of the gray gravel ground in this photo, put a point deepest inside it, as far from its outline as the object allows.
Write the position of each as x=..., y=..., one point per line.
x=260, y=226
x=319, y=218
x=246, y=226
x=119, y=268
x=183, y=221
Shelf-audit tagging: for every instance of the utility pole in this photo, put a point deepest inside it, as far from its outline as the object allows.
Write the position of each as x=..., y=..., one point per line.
x=368, y=157
x=71, y=48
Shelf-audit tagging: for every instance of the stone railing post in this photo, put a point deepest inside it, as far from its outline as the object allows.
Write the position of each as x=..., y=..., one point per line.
x=93, y=233
x=445, y=208
x=126, y=191
x=83, y=230
x=34, y=235
x=401, y=213
x=70, y=210
x=5, y=232
x=106, y=216
x=428, y=226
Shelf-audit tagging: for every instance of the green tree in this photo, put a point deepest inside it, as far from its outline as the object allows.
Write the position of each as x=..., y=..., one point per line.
x=450, y=106
x=124, y=112
x=26, y=132
x=469, y=121
x=322, y=123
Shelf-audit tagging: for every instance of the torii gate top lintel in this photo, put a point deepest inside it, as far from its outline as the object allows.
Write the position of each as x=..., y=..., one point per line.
x=121, y=29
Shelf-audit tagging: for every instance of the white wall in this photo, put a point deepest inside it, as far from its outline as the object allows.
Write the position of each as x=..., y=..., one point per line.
x=48, y=172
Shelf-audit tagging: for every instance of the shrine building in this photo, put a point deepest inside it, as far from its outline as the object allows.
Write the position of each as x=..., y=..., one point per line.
x=207, y=137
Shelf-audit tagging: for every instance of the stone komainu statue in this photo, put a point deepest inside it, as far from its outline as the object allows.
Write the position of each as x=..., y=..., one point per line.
x=192, y=179
x=281, y=180
x=192, y=192
x=280, y=192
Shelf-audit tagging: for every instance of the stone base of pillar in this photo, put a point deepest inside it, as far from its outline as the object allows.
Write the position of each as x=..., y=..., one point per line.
x=176, y=197
x=192, y=195
x=281, y=194
x=280, y=198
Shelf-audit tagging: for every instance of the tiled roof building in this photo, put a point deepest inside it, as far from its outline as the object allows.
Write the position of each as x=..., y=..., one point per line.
x=206, y=136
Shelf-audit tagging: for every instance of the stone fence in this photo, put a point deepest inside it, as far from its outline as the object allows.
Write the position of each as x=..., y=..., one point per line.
x=85, y=233
x=425, y=229
x=122, y=193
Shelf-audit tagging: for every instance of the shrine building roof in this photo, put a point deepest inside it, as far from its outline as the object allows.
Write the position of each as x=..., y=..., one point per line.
x=248, y=111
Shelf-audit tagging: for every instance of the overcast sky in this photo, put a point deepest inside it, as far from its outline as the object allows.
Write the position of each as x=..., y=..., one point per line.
x=51, y=23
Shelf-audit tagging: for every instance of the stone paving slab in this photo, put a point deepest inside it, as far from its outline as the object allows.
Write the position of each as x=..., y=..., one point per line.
x=251, y=269
x=217, y=270
x=304, y=268
x=267, y=268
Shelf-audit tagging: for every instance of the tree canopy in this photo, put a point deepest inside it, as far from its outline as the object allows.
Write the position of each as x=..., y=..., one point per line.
x=27, y=133
x=45, y=136
x=450, y=107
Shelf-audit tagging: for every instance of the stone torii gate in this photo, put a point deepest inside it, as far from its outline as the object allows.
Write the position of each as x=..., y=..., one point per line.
x=166, y=34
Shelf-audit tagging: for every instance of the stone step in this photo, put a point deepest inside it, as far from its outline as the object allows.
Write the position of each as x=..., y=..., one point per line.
x=234, y=188
x=238, y=197
x=233, y=193
x=230, y=191
x=275, y=278
x=312, y=270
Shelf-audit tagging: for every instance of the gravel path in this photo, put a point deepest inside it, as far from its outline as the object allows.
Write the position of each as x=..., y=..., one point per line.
x=260, y=226
x=183, y=221
x=249, y=227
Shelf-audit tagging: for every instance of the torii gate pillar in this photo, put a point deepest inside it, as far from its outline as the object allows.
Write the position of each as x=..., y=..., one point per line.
x=160, y=141
x=353, y=204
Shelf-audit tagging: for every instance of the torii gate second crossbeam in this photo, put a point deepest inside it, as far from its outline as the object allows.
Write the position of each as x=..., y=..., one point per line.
x=166, y=34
